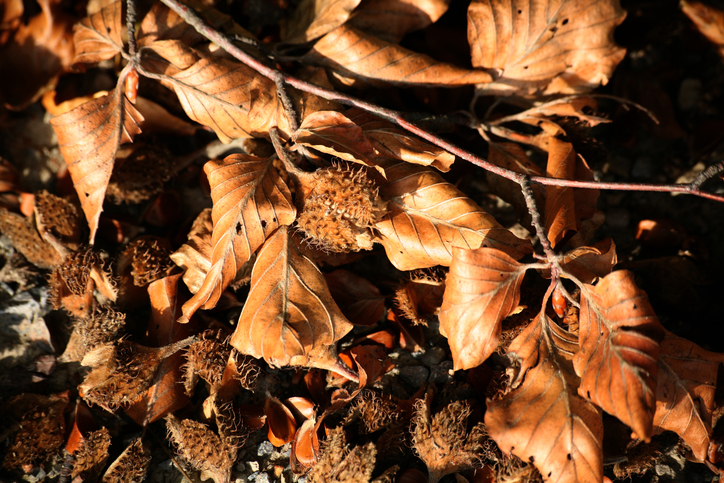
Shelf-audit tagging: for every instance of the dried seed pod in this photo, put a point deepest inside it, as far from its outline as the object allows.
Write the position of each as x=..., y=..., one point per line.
x=130, y=466
x=372, y=412
x=139, y=174
x=206, y=359
x=201, y=448
x=92, y=454
x=442, y=441
x=149, y=259
x=58, y=219
x=340, y=465
x=339, y=206
x=122, y=372
x=101, y=326
x=25, y=238
x=40, y=429
x=232, y=430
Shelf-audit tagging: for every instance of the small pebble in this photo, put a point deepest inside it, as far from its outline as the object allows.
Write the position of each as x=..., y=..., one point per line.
x=262, y=478
x=253, y=466
x=265, y=449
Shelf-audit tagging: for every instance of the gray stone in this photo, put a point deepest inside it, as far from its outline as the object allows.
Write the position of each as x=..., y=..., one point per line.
x=265, y=449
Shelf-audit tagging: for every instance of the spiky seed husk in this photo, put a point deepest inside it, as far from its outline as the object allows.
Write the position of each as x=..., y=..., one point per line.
x=103, y=325
x=131, y=466
x=92, y=454
x=338, y=464
x=200, y=447
x=149, y=260
x=139, y=174
x=59, y=217
x=232, y=431
x=206, y=359
x=340, y=209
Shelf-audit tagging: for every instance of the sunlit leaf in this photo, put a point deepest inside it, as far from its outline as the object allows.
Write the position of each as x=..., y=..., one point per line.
x=98, y=37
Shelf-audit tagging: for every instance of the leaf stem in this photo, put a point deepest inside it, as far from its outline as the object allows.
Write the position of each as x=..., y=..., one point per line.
x=131, y=25
x=190, y=16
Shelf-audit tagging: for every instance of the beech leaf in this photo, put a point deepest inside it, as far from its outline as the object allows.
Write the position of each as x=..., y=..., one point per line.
x=333, y=133
x=540, y=418
x=88, y=137
x=194, y=256
x=482, y=288
x=356, y=54
x=546, y=46
x=250, y=201
x=314, y=18
x=98, y=37
x=290, y=317
x=709, y=20
x=617, y=363
x=560, y=213
x=685, y=392
x=391, y=142
x=391, y=20
x=229, y=97
x=589, y=263
x=427, y=217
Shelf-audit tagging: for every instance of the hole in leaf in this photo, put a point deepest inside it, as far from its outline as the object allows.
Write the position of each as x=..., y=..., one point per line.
x=565, y=21
x=263, y=223
x=520, y=12
x=238, y=228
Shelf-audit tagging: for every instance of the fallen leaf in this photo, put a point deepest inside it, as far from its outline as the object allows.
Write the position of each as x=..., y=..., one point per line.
x=290, y=317
x=229, y=97
x=560, y=208
x=281, y=424
x=391, y=142
x=305, y=447
x=360, y=301
x=314, y=18
x=482, y=288
x=98, y=37
x=333, y=133
x=353, y=53
x=251, y=200
x=545, y=46
x=88, y=137
x=194, y=256
x=708, y=20
x=617, y=363
x=428, y=216
x=391, y=20
x=589, y=263
x=540, y=418
x=685, y=390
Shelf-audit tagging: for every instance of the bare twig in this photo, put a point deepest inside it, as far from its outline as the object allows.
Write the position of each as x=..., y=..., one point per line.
x=131, y=24
x=190, y=16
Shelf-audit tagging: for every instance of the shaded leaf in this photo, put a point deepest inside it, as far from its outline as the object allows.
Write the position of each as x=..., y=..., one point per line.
x=619, y=336
x=391, y=142
x=428, y=216
x=708, y=20
x=589, y=263
x=540, y=418
x=482, y=288
x=361, y=301
x=229, y=97
x=685, y=390
x=559, y=208
x=194, y=256
x=281, y=424
x=314, y=18
x=290, y=317
x=548, y=46
x=390, y=20
x=98, y=37
x=333, y=133
x=88, y=137
x=250, y=201
x=353, y=53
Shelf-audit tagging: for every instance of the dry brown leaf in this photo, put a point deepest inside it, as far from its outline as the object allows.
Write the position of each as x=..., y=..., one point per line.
x=709, y=21
x=589, y=263
x=194, y=256
x=251, y=200
x=333, y=133
x=162, y=23
x=305, y=447
x=619, y=334
x=391, y=142
x=391, y=20
x=540, y=418
x=227, y=96
x=89, y=137
x=360, y=300
x=281, y=424
x=314, y=18
x=545, y=46
x=36, y=54
x=685, y=392
x=353, y=53
x=427, y=217
x=560, y=209
x=99, y=37
x=290, y=317
x=482, y=288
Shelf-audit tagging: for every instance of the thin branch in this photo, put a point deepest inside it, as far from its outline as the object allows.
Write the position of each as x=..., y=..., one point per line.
x=131, y=24
x=190, y=16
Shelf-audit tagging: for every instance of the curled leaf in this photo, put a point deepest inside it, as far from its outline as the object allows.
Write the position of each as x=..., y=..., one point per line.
x=314, y=18
x=617, y=362
x=98, y=37
x=482, y=288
